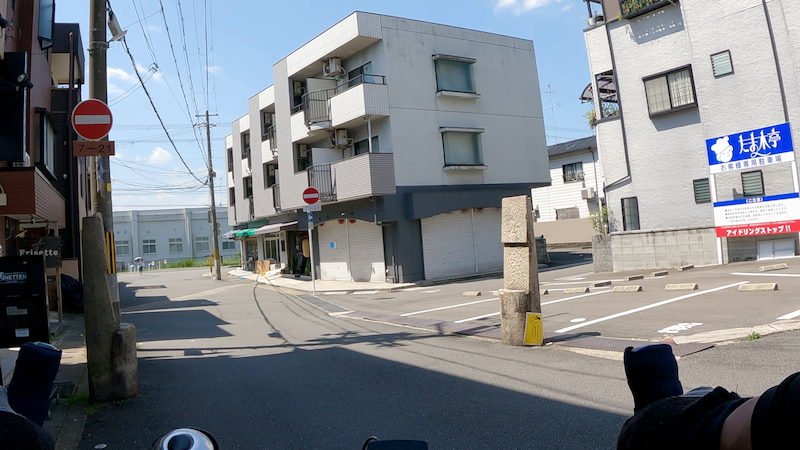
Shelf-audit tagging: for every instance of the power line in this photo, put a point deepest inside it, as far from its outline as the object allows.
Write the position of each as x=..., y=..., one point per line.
x=144, y=33
x=147, y=93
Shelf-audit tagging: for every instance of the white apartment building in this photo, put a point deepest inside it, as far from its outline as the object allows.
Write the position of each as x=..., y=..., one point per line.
x=563, y=209
x=412, y=132
x=169, y=234
x=696, y=103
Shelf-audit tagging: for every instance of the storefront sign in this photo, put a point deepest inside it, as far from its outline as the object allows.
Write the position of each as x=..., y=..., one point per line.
x=758, y=216
x=49, y=247
x=750, y=149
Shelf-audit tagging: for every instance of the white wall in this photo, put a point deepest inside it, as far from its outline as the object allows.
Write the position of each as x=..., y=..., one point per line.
x=567, y=195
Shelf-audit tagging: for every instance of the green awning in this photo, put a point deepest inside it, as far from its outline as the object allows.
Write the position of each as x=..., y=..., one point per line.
x=246, y=232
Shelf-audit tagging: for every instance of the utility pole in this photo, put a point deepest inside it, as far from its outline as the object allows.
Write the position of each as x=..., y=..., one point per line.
x=100, y=180
x=214, y=228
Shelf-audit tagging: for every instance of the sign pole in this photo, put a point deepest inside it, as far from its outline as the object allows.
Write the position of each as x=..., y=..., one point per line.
x=712, y=184
x=311, y=251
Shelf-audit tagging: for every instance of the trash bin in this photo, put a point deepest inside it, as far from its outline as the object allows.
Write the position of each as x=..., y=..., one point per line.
x=32, y=382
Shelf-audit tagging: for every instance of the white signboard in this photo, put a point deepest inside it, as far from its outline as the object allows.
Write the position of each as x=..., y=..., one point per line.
x=756, y=216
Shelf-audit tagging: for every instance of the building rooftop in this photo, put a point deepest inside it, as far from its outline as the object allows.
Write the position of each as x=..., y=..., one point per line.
x=578, y=145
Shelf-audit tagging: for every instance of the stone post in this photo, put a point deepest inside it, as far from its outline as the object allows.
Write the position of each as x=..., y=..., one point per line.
x=520, y=293
x=125, y=383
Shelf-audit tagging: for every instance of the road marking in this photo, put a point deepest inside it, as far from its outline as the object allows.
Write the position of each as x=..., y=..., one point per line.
x=448, y=307
x=204, y=293
x=574, y=297
x=578, y=320
x=570, y=279
x=478, y=317
x=364, y=292
x=790, y=275
x=791, y=315
x=418, y=288
x=650, y=306
x=677, y=328
x=431, y=292
x=334, y=293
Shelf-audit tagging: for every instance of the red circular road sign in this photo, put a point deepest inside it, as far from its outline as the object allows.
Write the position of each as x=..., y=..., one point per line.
x=311, y=196
x=91, y=119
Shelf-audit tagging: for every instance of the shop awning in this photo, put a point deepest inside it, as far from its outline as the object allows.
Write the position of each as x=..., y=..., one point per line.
x=275, y=227
x=229, y=234
x=246, y=232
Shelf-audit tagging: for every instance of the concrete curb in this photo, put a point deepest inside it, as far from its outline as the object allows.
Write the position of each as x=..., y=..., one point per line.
x=661, y=273
x=576, y=290
x=600, y=283
x=771, y=267
x=686, y=267
x=681, y=287
x=630, y=288
x=633, y=277
x=749, y=287
x=736, y=334
x=471, y=293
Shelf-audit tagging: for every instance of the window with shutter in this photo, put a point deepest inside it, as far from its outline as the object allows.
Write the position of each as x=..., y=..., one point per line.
x=702, y=191
x=752, y=184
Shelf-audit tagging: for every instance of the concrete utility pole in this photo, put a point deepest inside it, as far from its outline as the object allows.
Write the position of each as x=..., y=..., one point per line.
x=100, y=176
x=214, y=227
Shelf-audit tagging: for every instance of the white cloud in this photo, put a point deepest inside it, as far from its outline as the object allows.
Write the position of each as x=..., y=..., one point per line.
x=567, y=7
x=159, y=157
x=113, y=89
x=520, y=6
x=116, y=73
x=157, y=75
x=214, y=69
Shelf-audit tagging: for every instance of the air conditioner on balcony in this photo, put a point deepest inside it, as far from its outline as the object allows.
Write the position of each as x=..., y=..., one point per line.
x=588, y=193
x=303, y=150
x=339, y=139
x=332, y=68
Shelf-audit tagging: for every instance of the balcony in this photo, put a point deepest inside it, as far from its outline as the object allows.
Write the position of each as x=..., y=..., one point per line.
x=367, y=175
x=270, y=136
x=633, y=8
x=246, y=172
x=29, y=196
x=364, y=95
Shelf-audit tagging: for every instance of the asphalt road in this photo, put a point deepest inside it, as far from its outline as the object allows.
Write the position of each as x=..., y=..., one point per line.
x=260, y=368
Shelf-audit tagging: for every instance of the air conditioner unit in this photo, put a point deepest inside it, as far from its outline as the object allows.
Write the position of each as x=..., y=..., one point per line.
x=303, y=150
x=332, y=68
x=299, y=89
x=341, y=138
x=588, y=193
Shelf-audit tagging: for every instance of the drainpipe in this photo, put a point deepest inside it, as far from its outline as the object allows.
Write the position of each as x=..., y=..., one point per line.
x=627, y=176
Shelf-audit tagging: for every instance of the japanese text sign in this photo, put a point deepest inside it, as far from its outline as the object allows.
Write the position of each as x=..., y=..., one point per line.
x=755, y=216
x=750, y=149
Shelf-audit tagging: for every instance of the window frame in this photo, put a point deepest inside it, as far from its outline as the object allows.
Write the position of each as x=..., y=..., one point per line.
x=443, y=90
x=246, y=148
x=232, y=245
x=474, y=131
x=265, y=168
x=625, y=225
x=375, y=146
x=230, y=159
x=264, y=127
x=199, y=240
x=730, y=58
x=761, y=177
x=146, y=243
x=694, y=190
x=666, y=74
x=123, y=247
x=576, y=179
x=231, y=196
x=178, y=242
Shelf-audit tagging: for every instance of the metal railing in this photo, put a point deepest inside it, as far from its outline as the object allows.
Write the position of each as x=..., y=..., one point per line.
x=632, y=8
x=323, y=179
x=269, y=133
x=315, y=103
x=276, y=196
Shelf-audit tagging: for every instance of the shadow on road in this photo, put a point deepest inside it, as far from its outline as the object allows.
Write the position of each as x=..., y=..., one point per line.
x=335, y=398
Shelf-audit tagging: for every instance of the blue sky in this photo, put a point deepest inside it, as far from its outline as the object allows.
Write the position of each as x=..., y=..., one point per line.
x=245, y=37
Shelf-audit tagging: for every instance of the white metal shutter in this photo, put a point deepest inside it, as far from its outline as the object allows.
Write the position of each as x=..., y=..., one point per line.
x=487, y=240
x=366, y=252
x=447, y=246
x=333, y=252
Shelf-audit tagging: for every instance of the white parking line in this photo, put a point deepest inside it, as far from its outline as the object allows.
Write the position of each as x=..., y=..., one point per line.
x=545, y=303
x=791, y=315
x=652, y=305
x=448, y=307
x=364, y=292
x=790, y=275
x=431, y=291
x=478, y=317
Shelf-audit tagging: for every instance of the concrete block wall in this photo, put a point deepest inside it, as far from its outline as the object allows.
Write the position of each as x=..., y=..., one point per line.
x=661, y=249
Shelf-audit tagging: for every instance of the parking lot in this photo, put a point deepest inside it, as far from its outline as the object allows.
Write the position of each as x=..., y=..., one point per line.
x=652, y=313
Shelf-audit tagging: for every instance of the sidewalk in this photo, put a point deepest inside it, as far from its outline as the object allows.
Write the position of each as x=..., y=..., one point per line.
x=275, y=278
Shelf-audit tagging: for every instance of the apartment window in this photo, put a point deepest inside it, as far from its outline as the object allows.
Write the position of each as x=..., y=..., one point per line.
x=270, y=178
x=123, y=247
x=702, y=191
x=361, y=75
x=572, y=172
x=752, y=184
x=46, y=20
x=607, y=94
x=246, y=147
x=231, y=196
x=670, y=91
x=230, y=160
x=454, y=73
x=302, y=157
x=248, y=187
x=568, y=213
x=462, y=147
x=271, y=249
x=630, y=213
x=721, y=64
x=201, y=244
x=229, y=245
x=362, y=146
x=45, y=141
x=266, y=124
x=148, y=246
x=175, y=245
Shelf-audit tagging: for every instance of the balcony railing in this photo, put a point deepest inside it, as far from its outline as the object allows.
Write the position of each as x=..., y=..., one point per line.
x=322, y=178
x=269, y=133
x=633, y=8
x=315, y=103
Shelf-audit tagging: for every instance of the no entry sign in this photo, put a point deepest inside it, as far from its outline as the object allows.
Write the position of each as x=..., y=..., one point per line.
x=311, y=196
x=91, y=119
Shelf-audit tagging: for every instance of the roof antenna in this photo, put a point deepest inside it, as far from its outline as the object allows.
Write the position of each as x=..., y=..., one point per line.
x=553, y=107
